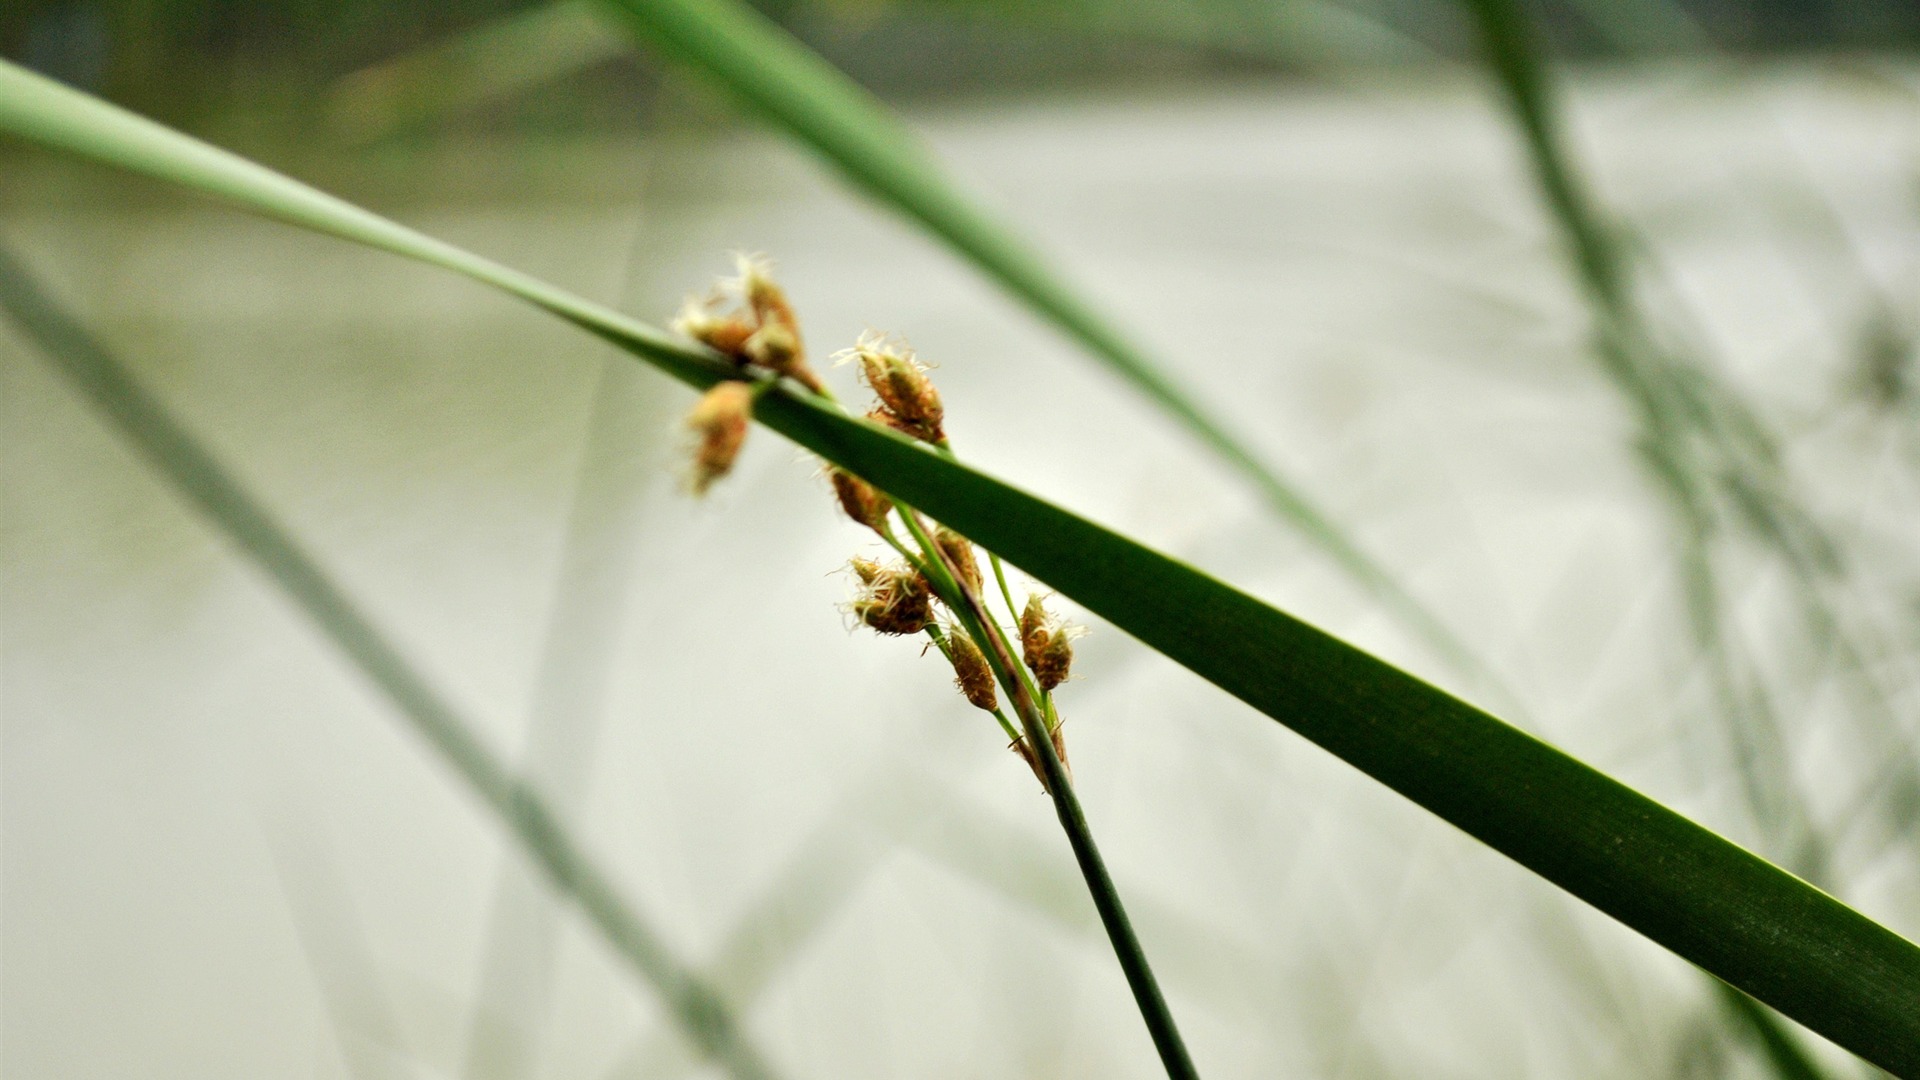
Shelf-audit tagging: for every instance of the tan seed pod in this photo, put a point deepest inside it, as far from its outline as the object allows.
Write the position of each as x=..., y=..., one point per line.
x=900, y=381
x=1046, y=644
x=1052, y=666
x=719, y=419
x=767, y=300
x=959, y=552
x=777, y=348
x=885, y=418
x=723, y=333
x=1033, y=626
x=895, y=602
x=971, y=673
x=860, y=500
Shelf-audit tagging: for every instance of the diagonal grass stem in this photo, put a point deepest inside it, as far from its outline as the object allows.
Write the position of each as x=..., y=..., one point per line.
x=205, y=483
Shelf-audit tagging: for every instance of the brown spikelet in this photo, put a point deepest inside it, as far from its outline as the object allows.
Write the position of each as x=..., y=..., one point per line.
x=884, y=418
x=860, y=500
x=767, y=300
x=1033, y=627
x=777, y=348
x=866, y=570
x=1055, y=661
x=723, y=333
x=971, y=673
x=719, y=419
x=908, y=400
x=729, y=336
x=896, y=601
x=760, y=330
x=959, y=553
x=1046, y=644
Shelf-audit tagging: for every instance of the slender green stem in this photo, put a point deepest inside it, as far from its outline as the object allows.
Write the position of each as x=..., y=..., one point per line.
x=945, y=446
x=1006, y=594
x=1676, y=407
x=1073, y=819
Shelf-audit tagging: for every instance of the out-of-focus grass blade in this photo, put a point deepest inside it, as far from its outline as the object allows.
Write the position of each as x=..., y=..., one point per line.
x=794, y=88
x=1713, y=903
x=1703, y=446
x=205, y=483
x=366, y=1028
x=492, y=61
x=569, y=688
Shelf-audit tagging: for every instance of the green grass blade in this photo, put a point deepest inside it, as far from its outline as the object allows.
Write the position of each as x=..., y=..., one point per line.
x=791, y=86
x=1733, y=914
x=205, y=483
x=1719, y=906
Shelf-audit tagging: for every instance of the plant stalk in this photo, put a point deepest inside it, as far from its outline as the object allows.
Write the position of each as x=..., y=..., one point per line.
x=1066, y=804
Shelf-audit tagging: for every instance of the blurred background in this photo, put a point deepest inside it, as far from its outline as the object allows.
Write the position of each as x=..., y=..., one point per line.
x=221, y=855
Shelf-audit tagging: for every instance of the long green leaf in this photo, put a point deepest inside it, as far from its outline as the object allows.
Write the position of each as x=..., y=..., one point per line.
x=1739, y=917
x=797, y=90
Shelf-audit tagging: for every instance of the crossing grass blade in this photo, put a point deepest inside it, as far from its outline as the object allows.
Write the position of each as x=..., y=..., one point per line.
x=1711, y=902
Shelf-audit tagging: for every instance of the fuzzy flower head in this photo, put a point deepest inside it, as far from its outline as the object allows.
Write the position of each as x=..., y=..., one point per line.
x=892, y=599
x=755, y=287
x=1046, y=643
x=908, y=401
x=958, y=551
x=701, y=319
x=970, y=671
x=860, y=500
x=749, y=319
x=719, y=422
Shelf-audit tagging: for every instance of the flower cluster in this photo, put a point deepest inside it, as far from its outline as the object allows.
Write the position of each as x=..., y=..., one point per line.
x=936, y=588
x=908, y=403
x=748, y=320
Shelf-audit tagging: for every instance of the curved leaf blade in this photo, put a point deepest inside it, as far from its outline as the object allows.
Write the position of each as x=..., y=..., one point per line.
x=1709, y=901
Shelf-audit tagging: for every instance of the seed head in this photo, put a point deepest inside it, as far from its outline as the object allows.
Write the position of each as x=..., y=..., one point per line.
x=866, y=570
x=776, y=347
x=859, y=499
x=723, y=333
x=907, y=397
x=719, y=419
x=767, y=300
x=1033, y=621
x=1046, y=644
x=970, y=671
x=959, y=552
x=759, y=329
x=894, y=601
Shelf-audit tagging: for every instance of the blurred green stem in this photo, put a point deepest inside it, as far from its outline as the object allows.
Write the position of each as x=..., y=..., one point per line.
x=203, y=481
x=971, y=607
x=1672, y=401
